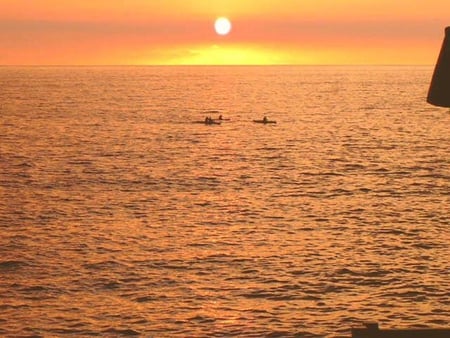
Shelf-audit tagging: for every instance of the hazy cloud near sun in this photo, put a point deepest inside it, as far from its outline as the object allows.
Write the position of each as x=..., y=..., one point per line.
x=248, y=30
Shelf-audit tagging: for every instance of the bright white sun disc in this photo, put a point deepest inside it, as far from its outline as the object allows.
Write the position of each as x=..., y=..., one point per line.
x=222, y=26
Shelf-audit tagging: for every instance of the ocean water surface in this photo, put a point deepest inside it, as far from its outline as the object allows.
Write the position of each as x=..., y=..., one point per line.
x=119, y=216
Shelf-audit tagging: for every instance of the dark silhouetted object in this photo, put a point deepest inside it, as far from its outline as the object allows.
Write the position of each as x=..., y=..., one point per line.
x=439, y=93
x=372, y=331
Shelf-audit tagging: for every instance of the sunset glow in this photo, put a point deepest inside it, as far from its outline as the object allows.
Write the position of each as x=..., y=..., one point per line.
x=186, y=32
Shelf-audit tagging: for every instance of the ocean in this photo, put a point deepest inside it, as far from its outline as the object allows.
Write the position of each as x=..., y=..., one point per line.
x=120, y=216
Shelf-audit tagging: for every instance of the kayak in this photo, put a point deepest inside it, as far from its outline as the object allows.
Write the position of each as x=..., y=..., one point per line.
x=265, y=121
x=208, y=123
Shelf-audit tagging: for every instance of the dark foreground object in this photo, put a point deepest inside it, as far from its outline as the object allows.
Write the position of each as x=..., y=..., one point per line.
x=439, y=92
x=372, y=331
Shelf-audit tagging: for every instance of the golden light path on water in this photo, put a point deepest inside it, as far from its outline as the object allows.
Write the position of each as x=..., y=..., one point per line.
x=121, y=216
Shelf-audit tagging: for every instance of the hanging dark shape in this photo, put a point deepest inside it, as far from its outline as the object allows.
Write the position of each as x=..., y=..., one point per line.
x=439, y=92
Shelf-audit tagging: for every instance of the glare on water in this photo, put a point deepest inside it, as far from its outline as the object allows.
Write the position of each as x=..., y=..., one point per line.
x=120, y=216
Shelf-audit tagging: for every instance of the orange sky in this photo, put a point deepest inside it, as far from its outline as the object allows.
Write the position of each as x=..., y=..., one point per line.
x=103, y=32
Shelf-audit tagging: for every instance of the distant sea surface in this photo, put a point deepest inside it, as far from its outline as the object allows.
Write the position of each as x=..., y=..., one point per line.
x=119, y=216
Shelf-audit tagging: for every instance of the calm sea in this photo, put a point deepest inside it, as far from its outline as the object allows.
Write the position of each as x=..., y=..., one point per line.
x=119, y=216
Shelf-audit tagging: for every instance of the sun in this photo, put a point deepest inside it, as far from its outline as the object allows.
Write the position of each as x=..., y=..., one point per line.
x=222, y=26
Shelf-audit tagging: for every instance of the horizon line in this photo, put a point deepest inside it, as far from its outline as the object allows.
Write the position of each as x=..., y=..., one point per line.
x=223, y=65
